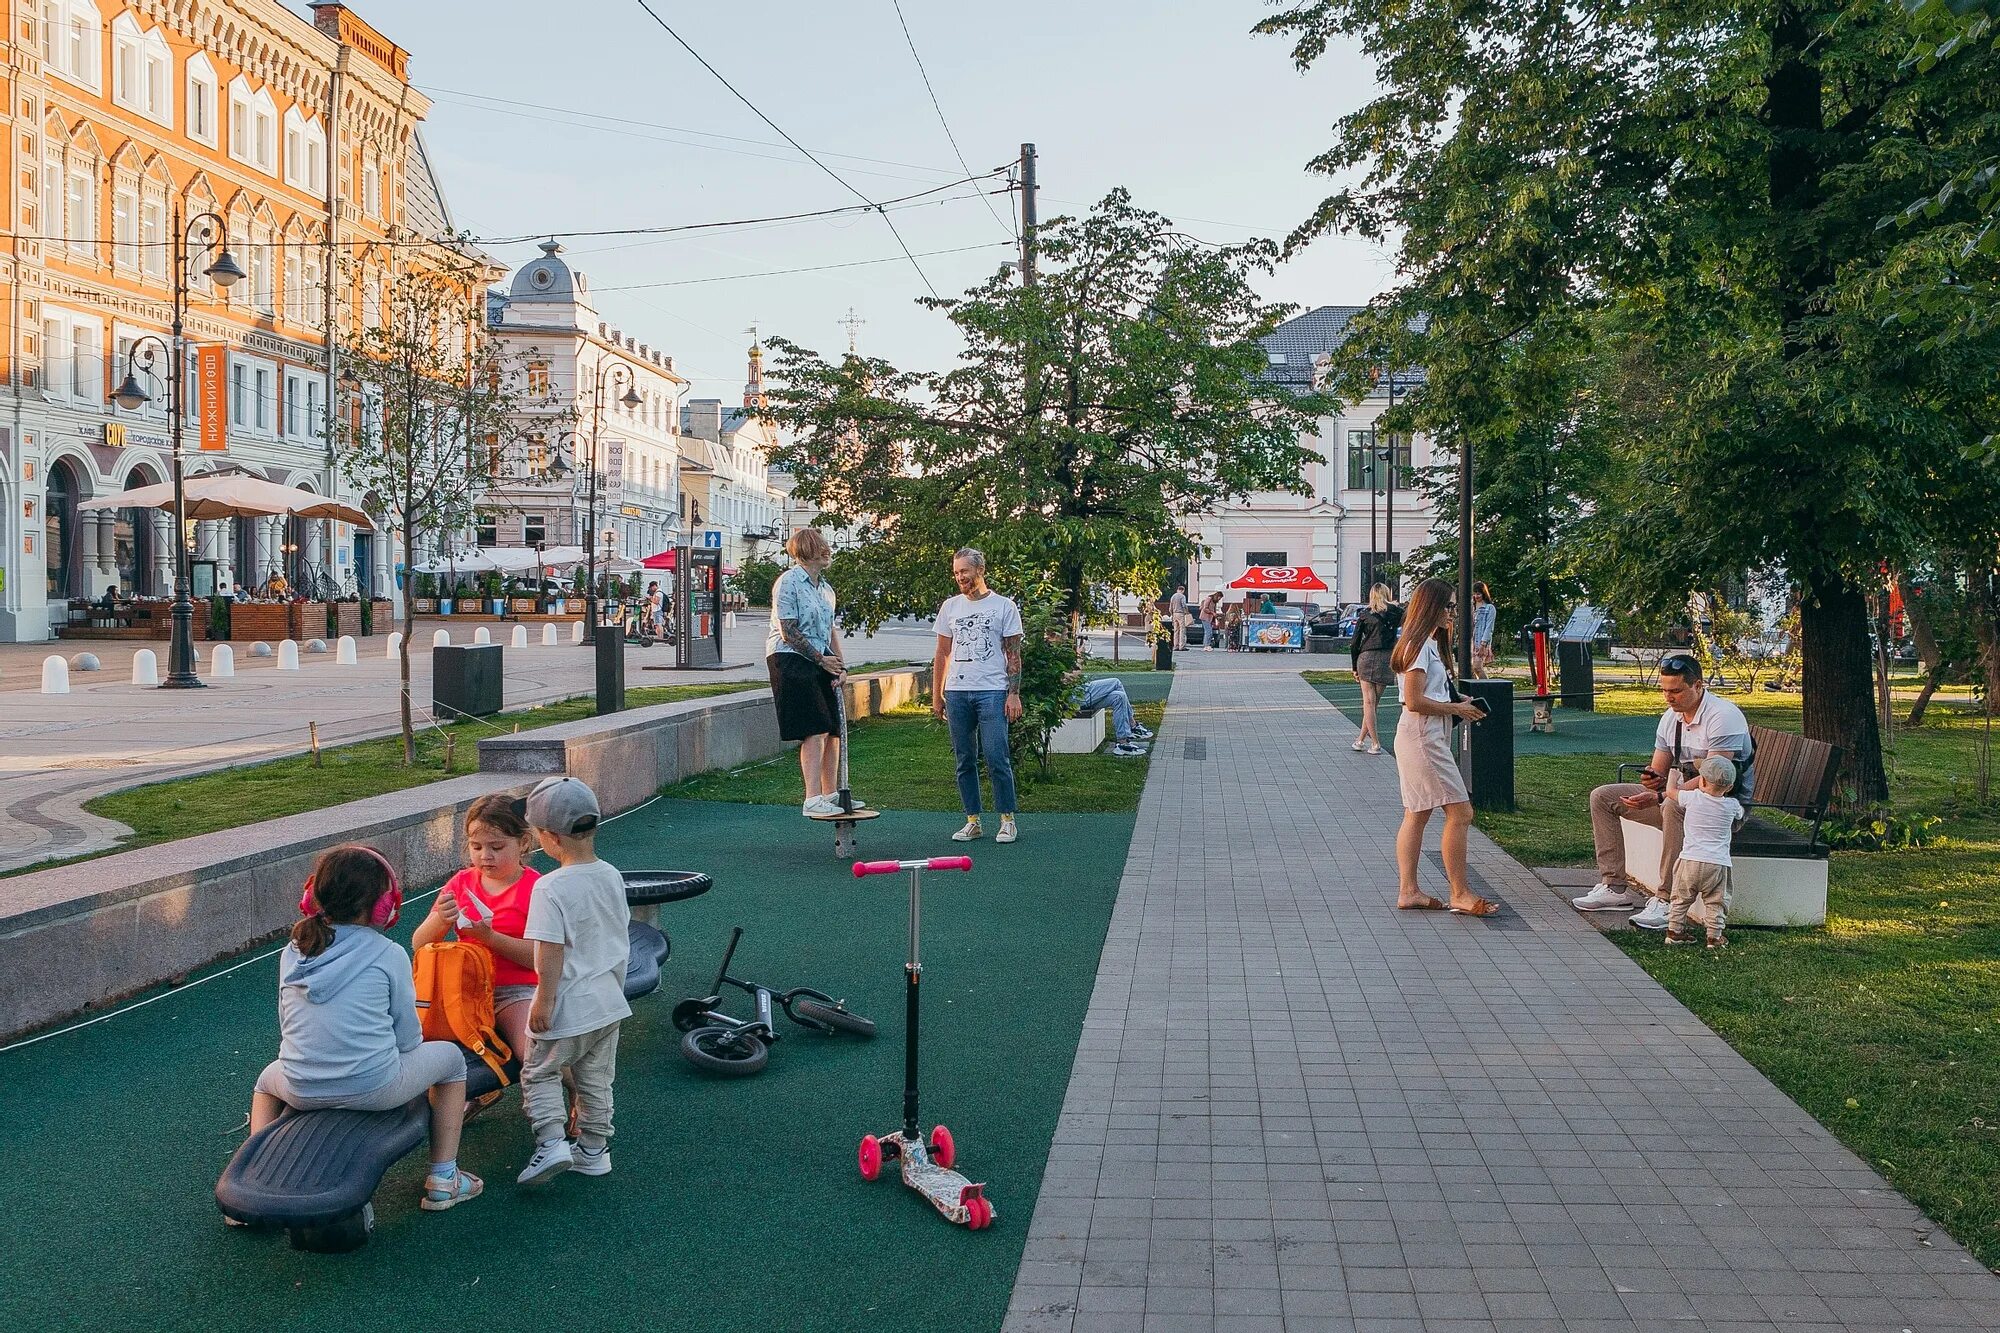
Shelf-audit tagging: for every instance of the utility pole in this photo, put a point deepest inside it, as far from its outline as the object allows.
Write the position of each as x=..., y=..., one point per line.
x=1462, y=632
x=1027, y=215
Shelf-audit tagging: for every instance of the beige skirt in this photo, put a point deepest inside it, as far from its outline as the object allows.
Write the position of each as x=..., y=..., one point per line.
x=1425, y=764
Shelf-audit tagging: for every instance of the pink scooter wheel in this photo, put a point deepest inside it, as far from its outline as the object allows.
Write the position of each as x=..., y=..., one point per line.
x=870, y=1157
x=943, y=1151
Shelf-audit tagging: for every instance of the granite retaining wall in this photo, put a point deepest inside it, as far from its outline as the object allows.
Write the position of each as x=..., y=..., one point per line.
x=80, y=936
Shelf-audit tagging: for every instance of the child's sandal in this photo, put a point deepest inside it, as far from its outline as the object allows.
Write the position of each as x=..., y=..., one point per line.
x=440, y=1195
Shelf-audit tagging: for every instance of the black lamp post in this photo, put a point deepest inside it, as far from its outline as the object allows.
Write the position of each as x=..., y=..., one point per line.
x=606, y=370
x=131, y=395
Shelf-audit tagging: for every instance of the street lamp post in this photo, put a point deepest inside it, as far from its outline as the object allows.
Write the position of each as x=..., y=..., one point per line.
x=610, y=370
x=131, y=395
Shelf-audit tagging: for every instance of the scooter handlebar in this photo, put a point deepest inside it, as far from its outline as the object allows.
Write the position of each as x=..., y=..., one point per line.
x=862, y=869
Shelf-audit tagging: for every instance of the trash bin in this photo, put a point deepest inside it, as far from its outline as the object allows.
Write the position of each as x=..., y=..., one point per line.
x=466, y=680
x=1163, y=654
x=1487, y=757
x=610, y=669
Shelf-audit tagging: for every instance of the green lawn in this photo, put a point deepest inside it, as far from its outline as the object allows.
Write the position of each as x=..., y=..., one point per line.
x=232, y=797
x=1886, y=1024
x=903, y=761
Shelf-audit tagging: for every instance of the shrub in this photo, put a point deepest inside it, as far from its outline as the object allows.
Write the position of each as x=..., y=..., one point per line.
x=1883, y=831
x=754, y=580
x=1048, y=674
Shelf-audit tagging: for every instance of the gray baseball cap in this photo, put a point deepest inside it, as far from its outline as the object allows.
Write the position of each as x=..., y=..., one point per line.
x=563, y=805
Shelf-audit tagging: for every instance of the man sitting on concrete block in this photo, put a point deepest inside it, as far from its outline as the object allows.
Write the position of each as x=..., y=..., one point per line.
x=1109, y=692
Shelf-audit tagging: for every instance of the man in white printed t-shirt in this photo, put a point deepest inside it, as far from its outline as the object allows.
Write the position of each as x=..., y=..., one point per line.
x=976, y=688
x=1697, y=723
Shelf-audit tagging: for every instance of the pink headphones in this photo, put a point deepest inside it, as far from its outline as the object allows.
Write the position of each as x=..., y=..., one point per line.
x=388, y=908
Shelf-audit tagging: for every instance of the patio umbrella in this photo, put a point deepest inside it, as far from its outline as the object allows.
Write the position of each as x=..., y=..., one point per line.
x=665, y=560
x=234, y=495
x=1280, y=578
x=475, y=561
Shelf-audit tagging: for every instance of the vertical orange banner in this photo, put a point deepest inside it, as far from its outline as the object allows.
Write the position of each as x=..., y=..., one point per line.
x=211, y=401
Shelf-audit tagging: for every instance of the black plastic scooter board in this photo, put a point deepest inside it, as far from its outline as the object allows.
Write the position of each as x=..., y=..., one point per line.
x=844, y=844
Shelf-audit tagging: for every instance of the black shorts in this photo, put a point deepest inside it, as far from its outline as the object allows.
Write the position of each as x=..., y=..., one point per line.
x=804, y=695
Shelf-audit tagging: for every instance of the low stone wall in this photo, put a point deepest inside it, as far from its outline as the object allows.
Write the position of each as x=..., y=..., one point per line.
x=78, y=936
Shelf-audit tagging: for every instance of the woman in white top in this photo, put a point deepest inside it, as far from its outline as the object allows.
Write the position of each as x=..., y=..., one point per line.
x=1424, y=761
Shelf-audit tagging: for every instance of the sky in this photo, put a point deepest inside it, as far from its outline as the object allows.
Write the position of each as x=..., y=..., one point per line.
x=588, y=116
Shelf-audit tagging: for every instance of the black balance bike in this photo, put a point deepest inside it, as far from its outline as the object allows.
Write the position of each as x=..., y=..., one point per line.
x=720, y=1044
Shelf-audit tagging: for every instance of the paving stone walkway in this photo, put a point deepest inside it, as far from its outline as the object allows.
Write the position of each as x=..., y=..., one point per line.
x=1296, y=1108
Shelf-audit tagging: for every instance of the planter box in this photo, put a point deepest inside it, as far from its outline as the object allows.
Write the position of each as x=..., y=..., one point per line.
x=266, y=621
x=381, y=616
x=347, y=618
x=522, y=606
x=1078, y=735
x=573, y=606
x=426, y=606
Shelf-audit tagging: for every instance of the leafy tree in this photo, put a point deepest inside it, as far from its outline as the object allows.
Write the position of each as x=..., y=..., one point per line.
x=755, y=580
x=1091, y=417
x=1712, y=177
x=433, y=407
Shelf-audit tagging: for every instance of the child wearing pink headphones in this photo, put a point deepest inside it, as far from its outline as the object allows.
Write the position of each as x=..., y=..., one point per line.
x=347, y=1018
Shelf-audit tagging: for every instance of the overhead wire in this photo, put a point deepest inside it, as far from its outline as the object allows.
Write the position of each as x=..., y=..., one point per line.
x=758, y=112
x=809, y=268
x=949, y=136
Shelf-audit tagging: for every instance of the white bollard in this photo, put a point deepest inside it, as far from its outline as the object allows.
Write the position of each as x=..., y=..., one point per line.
x=145, y=667
x=395, y=645
x=481, y=636
x=520, y=639
x=55, y=676
x=288, y=655
x=224, y=665
x=549, y=635
x=576, y=632
x=729, y=620
x=441, y=638
x=344, y=653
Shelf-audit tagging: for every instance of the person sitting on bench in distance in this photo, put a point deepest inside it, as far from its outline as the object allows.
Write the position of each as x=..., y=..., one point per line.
x=1109, y=692
x=1697, y=723
x=347, y=1019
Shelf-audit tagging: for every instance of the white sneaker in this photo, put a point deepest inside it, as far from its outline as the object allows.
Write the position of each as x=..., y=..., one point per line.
x=551, y=1159
x=1360, y=744
x=588, y=1163
x=1653, y=916
x=1007, y=831
x=1141, y=732
x=822, y=805
x=1374, y=747
x=1607, y=898
x=1127, y=750
x=968, y=833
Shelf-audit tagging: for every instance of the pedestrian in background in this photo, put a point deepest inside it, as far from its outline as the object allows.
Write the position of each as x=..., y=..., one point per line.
x=1211, y=620
x=1375, y=631
x=1425, y=765
x=976, y=688
x=1177, y=607
x=1484, y=616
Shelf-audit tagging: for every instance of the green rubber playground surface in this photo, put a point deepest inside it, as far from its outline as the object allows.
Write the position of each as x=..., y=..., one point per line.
x=734, y=1203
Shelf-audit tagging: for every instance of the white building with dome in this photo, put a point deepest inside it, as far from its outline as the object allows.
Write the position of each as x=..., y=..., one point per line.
x=561, y=352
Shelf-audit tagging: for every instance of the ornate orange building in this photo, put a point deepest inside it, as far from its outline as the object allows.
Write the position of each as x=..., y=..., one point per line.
x=125, y=124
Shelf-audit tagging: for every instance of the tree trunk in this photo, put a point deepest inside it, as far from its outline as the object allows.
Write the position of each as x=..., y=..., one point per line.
x=1921, y=630
x=409, y=633
x=1837, y=680
x=1931, y=682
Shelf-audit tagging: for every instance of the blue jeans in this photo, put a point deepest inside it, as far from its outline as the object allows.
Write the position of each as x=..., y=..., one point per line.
x=1105, y=692
x=978, y=720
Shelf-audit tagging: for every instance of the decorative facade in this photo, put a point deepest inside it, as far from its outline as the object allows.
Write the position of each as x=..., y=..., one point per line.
x=563, y=354
x=1361, y=507
x=726, y=473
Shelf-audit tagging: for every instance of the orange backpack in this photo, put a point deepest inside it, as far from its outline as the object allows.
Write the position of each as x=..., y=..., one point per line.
x=455, y=1001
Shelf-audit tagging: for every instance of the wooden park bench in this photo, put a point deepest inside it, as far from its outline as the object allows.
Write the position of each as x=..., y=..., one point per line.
x=1779, y=876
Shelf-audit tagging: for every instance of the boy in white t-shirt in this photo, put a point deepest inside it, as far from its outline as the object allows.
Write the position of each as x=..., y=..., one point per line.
x=1708, y=815
x=580, y=927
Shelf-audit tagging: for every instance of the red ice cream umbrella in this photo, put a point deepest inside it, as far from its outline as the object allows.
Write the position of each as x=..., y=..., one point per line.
x=1280, y=578
x=665, y=560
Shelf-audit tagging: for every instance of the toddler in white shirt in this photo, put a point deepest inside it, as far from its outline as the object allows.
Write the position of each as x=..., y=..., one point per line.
x=1709, y=816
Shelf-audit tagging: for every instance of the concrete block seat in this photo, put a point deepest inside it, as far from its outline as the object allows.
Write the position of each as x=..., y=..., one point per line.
x=314, y=1172
x=1779, y=873
x=1078, y=735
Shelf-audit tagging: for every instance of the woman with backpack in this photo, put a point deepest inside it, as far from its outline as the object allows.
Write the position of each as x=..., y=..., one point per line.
x=1375, y=634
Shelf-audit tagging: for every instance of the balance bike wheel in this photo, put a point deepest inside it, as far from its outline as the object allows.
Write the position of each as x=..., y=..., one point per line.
x=870, y=1157
x=722, y=1051
x=978, y=1214
x=943, y=1151
x=832, y=1018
